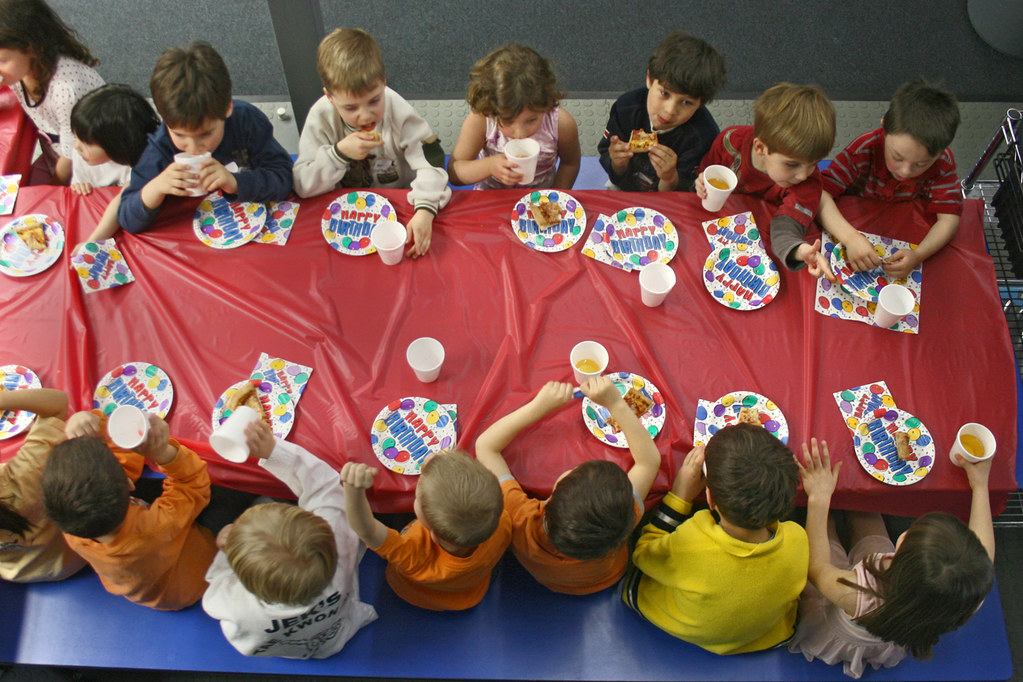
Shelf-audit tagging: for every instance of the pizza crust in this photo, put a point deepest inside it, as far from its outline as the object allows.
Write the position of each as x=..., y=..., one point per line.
x=639, y=403
x=642, y=141
x=34, y=237
x=545, y=213
x=902, y=445
x=749, y=415
x=246, y=395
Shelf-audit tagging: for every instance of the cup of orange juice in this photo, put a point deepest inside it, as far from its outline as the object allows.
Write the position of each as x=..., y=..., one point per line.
x=719, y=181
x=589, y=359
x=974, y=443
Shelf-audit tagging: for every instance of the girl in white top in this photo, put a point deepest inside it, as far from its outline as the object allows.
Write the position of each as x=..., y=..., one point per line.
x=49, y=70
x=896, y=600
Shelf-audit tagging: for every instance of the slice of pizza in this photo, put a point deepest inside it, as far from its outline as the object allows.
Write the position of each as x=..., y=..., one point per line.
x=902, y=446
x=33, y=236
x=642, y=141
x=749, y=415
x=246, y=395
x=546, y=213
x=638, y=401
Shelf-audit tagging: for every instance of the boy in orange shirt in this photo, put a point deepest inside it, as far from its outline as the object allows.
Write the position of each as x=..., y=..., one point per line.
x=154, y=555
x=444, y=558
x=574, y=541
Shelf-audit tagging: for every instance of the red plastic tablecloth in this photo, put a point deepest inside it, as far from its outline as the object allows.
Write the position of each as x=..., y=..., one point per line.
x=508, y=317
x=17, y=137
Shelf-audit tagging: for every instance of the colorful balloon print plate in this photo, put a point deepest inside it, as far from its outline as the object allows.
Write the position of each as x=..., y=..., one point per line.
x=14, y=378
x=711, y=417
x=17, y=259
x=277, y=404
x=409, y=429
x=350, y=218
x=141, y=384
x=556, y=237
x=874, y=443
x=635, y=237
x=866, y=283
x=595, y=416
x=225, y=224
x=741, y=280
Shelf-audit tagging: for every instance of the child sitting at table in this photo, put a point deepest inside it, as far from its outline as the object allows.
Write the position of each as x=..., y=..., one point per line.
x=575, y=540
x=154, y=555
x=729, y=584
x=776, y=159
x=682, y=76
x=48, y=69
x=513, y=95
x=285, y=582
x=363, y=134
x=444, y=558
x=906, y=159
x=882, y=602
x=192, y=91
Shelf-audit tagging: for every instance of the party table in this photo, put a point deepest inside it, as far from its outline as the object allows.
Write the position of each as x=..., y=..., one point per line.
x=508, y=316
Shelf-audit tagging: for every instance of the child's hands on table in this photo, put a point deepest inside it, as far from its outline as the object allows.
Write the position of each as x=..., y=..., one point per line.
x=690, y=481
x=819, y=478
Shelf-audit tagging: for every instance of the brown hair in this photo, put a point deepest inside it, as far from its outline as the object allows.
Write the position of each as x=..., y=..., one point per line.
x=926, y=112
x=795, y=120
x=591, y=511
x=350, y=60
x=751, y=475
x=85, y=489
x=31, y=25
x=510, y=80
x=688, y=65
x=191, y=85
x=281, y=553
x=460, y=498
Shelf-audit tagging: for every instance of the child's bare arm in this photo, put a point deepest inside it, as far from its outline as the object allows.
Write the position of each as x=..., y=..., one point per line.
x=690, y=481
x=942, y=231
x=463, y=166
x=645, y=455
x=860, y=252
x=980, y=508
x=45, y=402
x=569, y=152
x=496, y=438
x=157, y=445
x=357, y=478
x=107, y=226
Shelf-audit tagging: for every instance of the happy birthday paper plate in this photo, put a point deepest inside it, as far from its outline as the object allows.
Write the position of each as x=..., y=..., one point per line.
x=17, y=259
x=225, y=224
x=141, y=384
x=8, y=192
x=13, y=378
x=635, y=237
x=595, y=416
x=712, y=416
x=350, y=218
x=867, y=283
x=101, y=265
x=739, y=230
x=280, y=217
x=408, y=430
x=741, y=280
x=874, y=443
x=556, y=237
x=277, y=404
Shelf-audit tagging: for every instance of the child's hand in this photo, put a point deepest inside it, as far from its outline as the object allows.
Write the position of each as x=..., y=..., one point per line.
x=553, y=395
x=620, y=154
x=222, y=537
x=176, y=179
x=157, y=445
x=213, y=175
x=977, y=473
x=664, y=160
x=601, y=390
x=358, y=145
x=901, y=263
x=82, y=424
x=82, y=188
x=860, y=253
x=420, y=233
x=819, y=479
x=701, y=189
x=504, y=170
x=260, y=439
x=690, y=481
x=358, y=476
x=816, y=263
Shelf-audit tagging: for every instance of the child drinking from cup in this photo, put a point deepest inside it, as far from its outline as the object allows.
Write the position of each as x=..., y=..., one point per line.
x=513, y=95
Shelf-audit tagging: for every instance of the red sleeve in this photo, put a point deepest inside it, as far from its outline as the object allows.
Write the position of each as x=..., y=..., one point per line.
x=801, y=202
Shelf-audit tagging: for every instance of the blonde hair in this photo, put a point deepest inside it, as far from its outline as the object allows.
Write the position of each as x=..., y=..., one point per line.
x=510, y=80
x=350, y=60
x=795, y=120
x=282, y=554
x=460, y=498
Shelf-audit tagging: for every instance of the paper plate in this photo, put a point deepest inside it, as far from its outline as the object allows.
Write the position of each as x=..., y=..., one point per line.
x=408, y=430
x=8, y=192
x=101, y=265
x=741, y=280
x=280, y=217
x=13, y=378
x=595, y=416
x=225, y=224
x=141, y=384
x=712, y=416
x=874, y=444
x=635, y=237
x=16, y=259
x=277, y=403
x=867, y=283
x=350, y=218
x=557, y=237
x=739, y=230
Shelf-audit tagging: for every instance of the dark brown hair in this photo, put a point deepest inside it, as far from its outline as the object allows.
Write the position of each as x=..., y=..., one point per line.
x=795, y=120
x=116, y=118
x=926, y=112
x=688, y=65
x=591, y=511
x=191, y=85
x=31, y=25
x=510, y=80
x=85, y=489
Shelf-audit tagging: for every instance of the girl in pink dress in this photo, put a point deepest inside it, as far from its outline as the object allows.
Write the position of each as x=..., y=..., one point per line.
x=513, y=95
x=883, y=602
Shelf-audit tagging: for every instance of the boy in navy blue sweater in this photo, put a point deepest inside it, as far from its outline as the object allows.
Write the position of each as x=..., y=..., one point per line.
x=192, y=91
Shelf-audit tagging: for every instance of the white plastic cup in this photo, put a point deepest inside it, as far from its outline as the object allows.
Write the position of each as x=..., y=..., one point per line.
x=655, y=281
x=425, y=356
x=716, y=197
x=981, y=433
x=588, y=350
x=522, y=153
x=229, y=440
x=128, y=427
x=193, y=161
x=388, y=238
x=894, y=302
